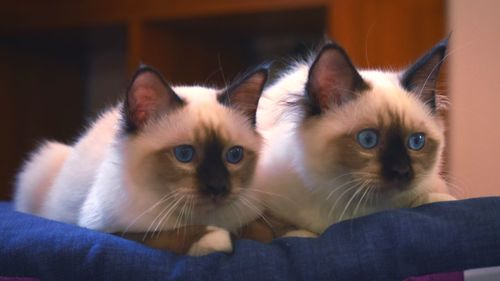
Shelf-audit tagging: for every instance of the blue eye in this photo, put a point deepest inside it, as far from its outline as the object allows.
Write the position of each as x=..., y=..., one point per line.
x=234, y=154
x=416, y=141
x=368, y=138
x=184, y=153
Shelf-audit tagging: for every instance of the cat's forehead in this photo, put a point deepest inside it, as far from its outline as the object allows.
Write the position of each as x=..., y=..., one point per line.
x=202, y=117
x=196, y=94
x=386, y=104
x=388, y=100
x=387, y=83
x=203, y=111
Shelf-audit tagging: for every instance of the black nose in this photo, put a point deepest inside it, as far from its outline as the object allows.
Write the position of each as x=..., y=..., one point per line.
x=396, y=162
x=400, y=173
x=217, y=190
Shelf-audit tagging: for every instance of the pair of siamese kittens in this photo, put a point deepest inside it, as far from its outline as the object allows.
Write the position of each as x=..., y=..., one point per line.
x=184, y=167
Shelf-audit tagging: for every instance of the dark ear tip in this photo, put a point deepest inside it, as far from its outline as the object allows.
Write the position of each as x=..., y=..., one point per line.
x=332, y=45
x=261, y=70
x=446, y=40
x=442, y=45
x=145, y=68
x=329, y=46
x=264, y=69
x=266, y=65
x=264, y=72
x=142, y=69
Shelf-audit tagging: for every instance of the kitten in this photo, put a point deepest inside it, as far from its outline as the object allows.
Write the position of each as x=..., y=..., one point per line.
x=342, y=143
x=164, y=159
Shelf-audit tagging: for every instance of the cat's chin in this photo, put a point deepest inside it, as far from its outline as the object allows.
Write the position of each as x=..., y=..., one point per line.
x=211, y=204
x=394, y=187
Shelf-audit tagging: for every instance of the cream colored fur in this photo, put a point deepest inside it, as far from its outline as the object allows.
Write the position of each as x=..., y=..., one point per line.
x=104, y=184
x=292, y=168
x=38, y=175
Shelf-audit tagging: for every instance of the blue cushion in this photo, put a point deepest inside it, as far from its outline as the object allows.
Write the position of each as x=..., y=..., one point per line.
x=392, y=245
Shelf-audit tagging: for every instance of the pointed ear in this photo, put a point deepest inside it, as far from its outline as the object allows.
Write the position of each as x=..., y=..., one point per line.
x=244, y=94
x=333, y=80
x=421, y=77
x=148, y=96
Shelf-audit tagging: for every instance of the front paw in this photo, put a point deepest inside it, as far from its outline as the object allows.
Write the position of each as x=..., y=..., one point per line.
x=214, y=240
x=432, y=198
x=300, y=233
x=439, y=197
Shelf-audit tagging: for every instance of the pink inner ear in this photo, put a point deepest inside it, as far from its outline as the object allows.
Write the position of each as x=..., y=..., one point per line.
x=330, y=89
x=148, y=96
x=334, y=80
x=246, y=95
x=324, y=101
x=143, y=103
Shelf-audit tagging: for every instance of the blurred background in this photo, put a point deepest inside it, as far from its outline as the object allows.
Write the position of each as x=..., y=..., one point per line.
x=62, y=62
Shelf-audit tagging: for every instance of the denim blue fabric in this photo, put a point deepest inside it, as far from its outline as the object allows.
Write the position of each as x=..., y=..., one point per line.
x=450, y=276
x=392, y=245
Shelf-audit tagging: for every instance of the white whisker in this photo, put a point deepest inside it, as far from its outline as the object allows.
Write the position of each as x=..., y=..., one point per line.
x=166, y=216
x=342, y=195
x=367, y=189
x=256, y=209
x=350, y=200
x=180, y=216
x=281, y=196
x=337, y=188
x=236, y=213
x=159, y=214
x=160, y=201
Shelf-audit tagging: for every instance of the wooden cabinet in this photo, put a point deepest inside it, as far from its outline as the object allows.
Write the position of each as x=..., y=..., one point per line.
x=62, y=61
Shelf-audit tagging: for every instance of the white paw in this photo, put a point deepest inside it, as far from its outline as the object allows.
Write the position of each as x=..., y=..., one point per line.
x=300, y=233
x=432, y=198
x=438, y=197
x=215, y=240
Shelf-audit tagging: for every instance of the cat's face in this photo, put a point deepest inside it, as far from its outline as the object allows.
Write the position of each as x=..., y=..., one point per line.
x=198, y=153
x=386, y=139
x=371, y=135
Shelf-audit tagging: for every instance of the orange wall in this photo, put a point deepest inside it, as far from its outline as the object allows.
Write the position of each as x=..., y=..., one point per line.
x=475, y=96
